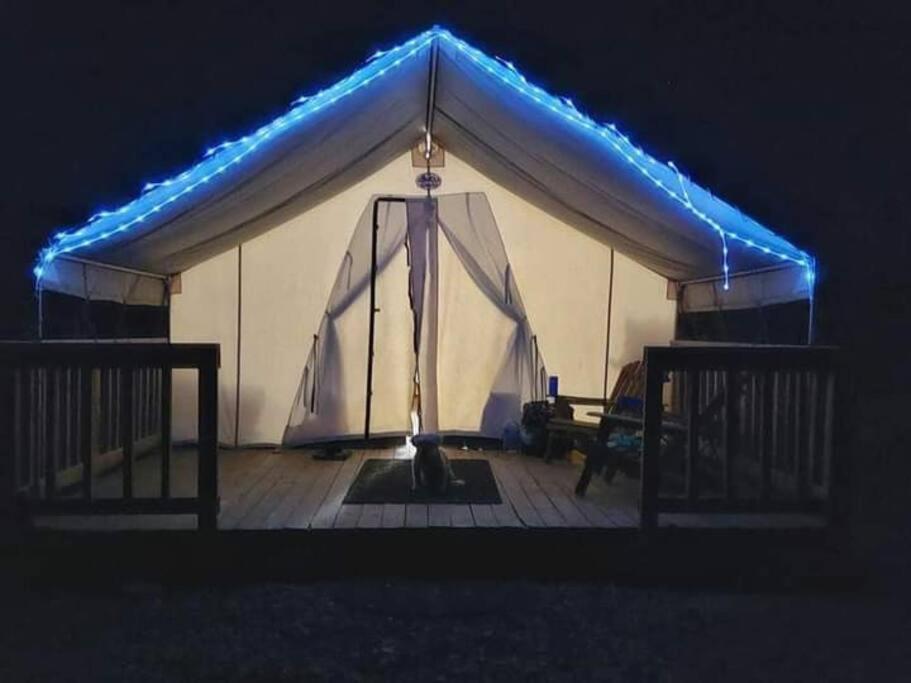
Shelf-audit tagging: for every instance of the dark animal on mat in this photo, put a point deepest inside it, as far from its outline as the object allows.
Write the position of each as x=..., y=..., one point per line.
x=430, y=468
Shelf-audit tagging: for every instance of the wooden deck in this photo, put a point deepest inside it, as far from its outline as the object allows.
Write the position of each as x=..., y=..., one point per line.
x=273, y=489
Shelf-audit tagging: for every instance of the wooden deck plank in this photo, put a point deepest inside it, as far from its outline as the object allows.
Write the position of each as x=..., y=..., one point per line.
x=348, y=516
x=302, y=515
x=561, y=499
x=291, y=466
x=461, y=517
x=329, y=508
x=593, y=510
x=416, y=516
x=393, y=516
x=483, y=516
x=297, y=491
x=549, y=514
x=618, y=501
x=564, y=476
x=371, y=517
x=248, y=493
x=237, y=472
x=256, y=516
x=512, y=491
x=439, y=514
x=505, y=515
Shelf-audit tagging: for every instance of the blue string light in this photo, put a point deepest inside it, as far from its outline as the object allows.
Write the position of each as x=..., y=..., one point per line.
x=218, y=160
x=647, y=165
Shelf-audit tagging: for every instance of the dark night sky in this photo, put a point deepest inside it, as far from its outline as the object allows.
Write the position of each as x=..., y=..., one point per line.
x=798, y=115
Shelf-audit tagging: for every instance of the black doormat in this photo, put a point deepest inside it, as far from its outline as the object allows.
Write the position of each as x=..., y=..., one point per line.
x=389, y=481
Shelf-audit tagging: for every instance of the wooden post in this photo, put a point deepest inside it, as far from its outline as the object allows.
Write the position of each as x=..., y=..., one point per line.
x=127, y=428
x=86, y=414
x=208, y=446
x=651, y=446
x=165, y=427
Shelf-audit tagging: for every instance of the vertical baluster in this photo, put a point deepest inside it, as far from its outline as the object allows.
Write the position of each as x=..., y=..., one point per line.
x=114, y=418
x=800, y=425
x=66, y=408
x=19, y=433
x=651, y=447
x=757, y=415
x=767, y=434
x=32, y=402
x=139, y=381
x=86, y=415
x=208, y=446
x=828, y=434
x=150, y=404
x=155, y=403
x=51, y=430
x=730, y=431
x=165, y=431
x=105, y=425
x=8, y=427
x=692, y=435
x=126, y=428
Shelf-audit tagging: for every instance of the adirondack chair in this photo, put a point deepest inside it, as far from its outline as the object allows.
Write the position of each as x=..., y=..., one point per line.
x=619, y=415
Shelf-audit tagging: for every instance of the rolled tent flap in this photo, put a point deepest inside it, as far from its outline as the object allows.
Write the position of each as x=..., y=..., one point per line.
x=747, y=290
x=462, y=390
x=99, y=282
x=519, y=374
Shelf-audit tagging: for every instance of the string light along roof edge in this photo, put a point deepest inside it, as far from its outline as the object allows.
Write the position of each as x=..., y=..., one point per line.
x=217, y=161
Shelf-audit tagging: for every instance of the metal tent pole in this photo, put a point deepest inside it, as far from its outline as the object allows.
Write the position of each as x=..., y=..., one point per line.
x=373, y=309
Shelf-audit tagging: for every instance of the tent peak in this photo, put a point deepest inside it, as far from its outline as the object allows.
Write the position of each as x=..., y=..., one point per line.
x=159, y=197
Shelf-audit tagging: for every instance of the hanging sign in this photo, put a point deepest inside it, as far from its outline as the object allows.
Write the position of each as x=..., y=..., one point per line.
x=428, y=181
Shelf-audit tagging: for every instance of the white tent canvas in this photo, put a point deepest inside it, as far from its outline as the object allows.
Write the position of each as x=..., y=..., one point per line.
x=258, y=232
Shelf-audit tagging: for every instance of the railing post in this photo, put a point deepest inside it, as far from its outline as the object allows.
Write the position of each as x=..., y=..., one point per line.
x=651, y=444
x=208, y=444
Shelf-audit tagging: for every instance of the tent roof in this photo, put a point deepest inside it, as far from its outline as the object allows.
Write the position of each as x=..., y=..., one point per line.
x=482, y=110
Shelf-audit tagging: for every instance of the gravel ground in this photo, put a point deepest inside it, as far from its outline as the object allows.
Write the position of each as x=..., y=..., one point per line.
x=440, y=631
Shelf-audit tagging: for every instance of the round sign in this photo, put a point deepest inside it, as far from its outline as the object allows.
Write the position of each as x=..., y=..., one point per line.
x=428, y=181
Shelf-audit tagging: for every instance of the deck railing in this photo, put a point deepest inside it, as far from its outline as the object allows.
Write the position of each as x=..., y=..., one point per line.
x=68, y=410
x=732, y=429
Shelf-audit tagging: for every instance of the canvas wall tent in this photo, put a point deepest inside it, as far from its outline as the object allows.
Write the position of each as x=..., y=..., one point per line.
x=259, y=229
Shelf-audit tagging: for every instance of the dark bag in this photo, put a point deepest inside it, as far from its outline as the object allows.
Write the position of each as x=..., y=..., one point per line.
x=533, y=433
